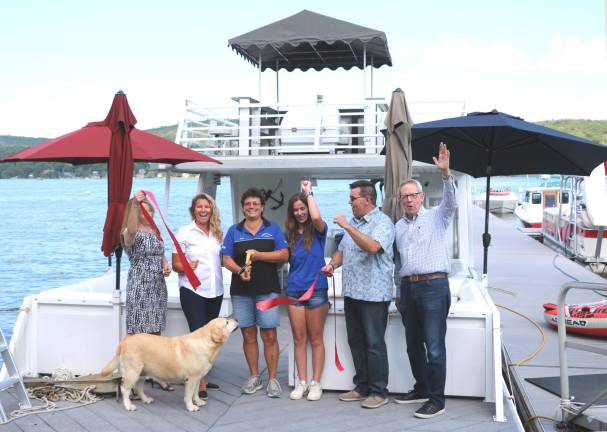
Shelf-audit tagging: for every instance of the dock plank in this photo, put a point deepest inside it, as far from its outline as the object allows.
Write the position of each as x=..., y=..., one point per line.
x=89, y=421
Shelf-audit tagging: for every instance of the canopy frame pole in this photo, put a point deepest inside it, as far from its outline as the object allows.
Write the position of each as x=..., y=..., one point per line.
x=277, y=91
x=259, y=79
x=364, y=72
x=371, y=76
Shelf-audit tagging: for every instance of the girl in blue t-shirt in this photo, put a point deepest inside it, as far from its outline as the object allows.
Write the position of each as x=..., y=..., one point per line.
x=306, y=234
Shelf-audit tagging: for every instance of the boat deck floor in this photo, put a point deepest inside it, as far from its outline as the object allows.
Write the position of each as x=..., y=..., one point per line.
x=228, y=410
x=523, y=275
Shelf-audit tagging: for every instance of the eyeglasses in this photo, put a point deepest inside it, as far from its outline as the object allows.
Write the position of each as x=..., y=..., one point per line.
x=409, y=196
x=353, y=198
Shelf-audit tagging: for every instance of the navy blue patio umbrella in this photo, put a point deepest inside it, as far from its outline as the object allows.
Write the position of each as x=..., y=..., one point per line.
x=493, y=144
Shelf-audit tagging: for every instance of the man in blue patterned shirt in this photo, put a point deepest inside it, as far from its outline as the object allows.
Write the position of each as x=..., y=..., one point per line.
x=423, y=265
x=366, y=253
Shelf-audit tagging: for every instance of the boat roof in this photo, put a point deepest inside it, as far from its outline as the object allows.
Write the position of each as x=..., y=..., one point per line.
x=309, y=40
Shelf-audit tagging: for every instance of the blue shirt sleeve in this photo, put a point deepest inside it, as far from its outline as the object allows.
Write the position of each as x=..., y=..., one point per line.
x=383, y=233
x=280, y=242
x=227, y=248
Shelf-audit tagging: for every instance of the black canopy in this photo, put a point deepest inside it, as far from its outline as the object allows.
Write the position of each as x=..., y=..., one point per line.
x=308, y=40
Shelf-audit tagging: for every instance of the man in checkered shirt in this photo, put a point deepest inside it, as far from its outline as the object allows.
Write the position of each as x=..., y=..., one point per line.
x=421, y=240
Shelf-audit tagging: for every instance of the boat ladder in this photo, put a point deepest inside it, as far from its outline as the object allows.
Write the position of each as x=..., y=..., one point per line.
x=13, y=379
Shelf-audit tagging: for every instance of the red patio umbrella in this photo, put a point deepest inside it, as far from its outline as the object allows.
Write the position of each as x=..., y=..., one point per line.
x=116, y=141
x=120, y=121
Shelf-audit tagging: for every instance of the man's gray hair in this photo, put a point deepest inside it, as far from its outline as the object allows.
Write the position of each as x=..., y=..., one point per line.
x=417, y=184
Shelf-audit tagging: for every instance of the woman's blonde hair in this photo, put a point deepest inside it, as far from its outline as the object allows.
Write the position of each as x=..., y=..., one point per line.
x=292, y=225
x=132, y=206
x=214, y=220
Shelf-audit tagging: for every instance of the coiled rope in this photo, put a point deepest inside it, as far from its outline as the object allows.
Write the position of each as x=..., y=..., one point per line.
x=52, y=393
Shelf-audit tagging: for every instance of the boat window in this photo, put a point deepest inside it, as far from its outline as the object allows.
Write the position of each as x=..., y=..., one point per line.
x=536, y=198
x=550, y=201
x=565, y=197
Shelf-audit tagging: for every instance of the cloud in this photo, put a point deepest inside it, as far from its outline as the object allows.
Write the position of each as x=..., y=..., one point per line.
x=467, y=55
x=561, y=54
x=563, y=78
x=573, y=55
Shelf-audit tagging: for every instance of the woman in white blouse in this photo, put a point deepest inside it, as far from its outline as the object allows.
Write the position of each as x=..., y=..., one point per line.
x=201, y=243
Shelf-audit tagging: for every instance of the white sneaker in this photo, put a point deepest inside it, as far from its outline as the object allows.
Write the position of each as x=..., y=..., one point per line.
x=314, y=391
x=301, y=388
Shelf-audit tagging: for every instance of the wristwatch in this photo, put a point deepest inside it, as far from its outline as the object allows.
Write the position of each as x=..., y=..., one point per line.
x=309, y=193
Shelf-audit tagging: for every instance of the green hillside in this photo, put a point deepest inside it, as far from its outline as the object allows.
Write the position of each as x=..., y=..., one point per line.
x=595, y=130
x=168, y=132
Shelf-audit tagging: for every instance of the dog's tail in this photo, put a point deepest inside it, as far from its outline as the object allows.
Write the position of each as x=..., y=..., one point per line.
x=112, y=365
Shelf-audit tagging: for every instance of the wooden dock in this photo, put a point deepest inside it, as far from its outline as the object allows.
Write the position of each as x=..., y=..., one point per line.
x=523, y=275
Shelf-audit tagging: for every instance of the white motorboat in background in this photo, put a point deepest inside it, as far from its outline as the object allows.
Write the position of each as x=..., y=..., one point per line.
x=580, y=229
x=531, y=209
x=501, y=201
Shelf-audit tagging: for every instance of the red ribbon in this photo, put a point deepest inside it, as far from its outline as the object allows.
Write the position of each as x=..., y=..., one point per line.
x=264, y=305
x=337, y=362
x=184, y=262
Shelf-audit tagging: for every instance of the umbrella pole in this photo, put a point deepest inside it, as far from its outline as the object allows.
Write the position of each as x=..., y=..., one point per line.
x=118, y=252
x=486, y=235
x=116, y=306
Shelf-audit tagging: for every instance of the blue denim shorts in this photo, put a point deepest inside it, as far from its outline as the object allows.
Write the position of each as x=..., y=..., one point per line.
x=247, y=315
x=319, y=298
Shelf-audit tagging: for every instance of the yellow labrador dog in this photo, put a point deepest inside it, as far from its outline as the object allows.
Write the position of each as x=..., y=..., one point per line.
x=188, y=357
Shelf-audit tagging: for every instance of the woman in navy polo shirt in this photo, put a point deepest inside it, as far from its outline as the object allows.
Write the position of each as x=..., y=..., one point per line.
x=306, y=234
x=264, y=241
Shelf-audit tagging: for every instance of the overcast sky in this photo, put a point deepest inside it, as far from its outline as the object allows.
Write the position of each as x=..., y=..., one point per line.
x=62, y=61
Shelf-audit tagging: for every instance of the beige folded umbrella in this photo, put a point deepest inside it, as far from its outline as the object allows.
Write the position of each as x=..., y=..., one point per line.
x=399, y=157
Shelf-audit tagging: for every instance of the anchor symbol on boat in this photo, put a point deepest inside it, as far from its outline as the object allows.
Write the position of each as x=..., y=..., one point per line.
x=268, y=194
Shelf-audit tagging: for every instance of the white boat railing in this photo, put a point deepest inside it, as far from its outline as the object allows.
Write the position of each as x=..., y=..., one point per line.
x=252, y=128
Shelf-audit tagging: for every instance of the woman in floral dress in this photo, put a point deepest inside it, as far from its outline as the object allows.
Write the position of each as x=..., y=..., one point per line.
x=146, y=291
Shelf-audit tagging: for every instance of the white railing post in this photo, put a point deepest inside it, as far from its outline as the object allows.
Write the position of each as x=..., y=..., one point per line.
x=244, y=130
x=370, y=128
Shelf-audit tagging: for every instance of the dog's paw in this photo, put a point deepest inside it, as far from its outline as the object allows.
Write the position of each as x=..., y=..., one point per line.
x=130, y=407
x=192, y=407
x=200, y=402
x=147, y=400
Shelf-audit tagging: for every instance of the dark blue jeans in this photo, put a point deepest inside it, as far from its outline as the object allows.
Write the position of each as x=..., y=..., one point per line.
x=424, y=307
x=366, y=324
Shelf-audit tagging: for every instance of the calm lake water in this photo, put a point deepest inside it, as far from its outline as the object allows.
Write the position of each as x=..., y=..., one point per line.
x=52, y=229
